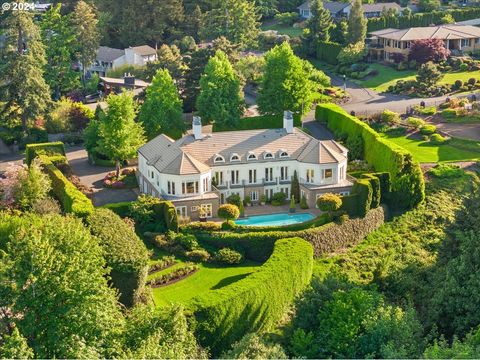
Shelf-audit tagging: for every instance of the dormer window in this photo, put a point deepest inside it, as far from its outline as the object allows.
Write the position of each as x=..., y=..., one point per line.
x=283, y=154
x=234, y=157
x=268, y=155
x=218, y=159
x=251, y=156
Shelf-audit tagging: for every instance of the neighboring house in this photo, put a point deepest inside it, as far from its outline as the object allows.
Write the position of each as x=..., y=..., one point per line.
x=109, y=58
x=384, y=43
x=342, y=9
x=199, y=171
x=116, y=85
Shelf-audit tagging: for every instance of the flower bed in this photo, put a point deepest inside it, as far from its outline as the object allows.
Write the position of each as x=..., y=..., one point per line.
x=163, y=264
x=126, y=180
x=174, y=276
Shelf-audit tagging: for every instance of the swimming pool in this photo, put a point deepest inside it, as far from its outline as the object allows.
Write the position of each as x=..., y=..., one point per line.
x=275, y=219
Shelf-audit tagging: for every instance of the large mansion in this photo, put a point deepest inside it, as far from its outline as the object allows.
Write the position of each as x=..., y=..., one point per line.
x=384, y=43
x=199, y=171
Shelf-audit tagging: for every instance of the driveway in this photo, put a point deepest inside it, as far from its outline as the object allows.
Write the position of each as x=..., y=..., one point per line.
x=92, y=177
x=466, y=131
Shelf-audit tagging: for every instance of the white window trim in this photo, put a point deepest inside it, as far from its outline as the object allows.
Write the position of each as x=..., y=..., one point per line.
x=218, y=159
x=233, y=156
x=268, y=155
x=251, y=156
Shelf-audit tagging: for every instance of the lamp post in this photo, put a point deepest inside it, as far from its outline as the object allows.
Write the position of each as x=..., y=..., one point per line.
x=344, y=83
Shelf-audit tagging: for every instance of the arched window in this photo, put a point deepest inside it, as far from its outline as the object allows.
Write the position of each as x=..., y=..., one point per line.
x=251, y=156
x=218, y=159
x=268, y=155
x=234, y=157
x=284, y=154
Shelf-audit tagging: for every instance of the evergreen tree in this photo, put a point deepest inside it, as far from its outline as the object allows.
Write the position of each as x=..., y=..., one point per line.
x=162, y=110
x=58, y=37
x=357, y=23
x=285, y=84
x=318, y=26
x=220, y=98
x=169, y=58
x=23, y=90
x=339, y=32
x=295, y=187
x=85, y=23
x=120, y=135
x=237, y=20
x=196, y=65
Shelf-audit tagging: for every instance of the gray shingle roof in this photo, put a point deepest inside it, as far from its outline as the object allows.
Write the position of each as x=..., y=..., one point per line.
x=190, y=156
x=144, y=50
x=443, y=32
x=378, y=7
x=108, y=54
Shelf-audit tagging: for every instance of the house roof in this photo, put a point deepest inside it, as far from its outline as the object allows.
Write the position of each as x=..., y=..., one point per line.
x=443, y=32
x=190, y=156
x=332, y=6
x=144, y=50
x=378, y=7
x=108, y=54
x=121, y=81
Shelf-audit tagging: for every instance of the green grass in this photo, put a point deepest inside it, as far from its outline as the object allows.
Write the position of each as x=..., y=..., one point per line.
x=454, y=150
x=209, y=277
x=283, y=30
x=388, y=76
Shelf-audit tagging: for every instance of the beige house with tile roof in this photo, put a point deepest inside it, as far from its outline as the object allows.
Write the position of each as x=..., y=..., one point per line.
x=199, y=171
x=384, y=43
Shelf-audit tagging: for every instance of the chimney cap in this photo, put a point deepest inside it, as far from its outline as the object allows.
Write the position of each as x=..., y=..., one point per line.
x=288, y=114
x=197, y=120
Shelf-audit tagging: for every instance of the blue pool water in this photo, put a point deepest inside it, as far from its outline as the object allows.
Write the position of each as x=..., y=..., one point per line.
x=274, y=219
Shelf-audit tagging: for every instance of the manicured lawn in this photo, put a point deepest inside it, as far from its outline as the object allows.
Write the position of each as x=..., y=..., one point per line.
x=424, y=152
x=388, y=76
x=209, y=277
x=284, y=30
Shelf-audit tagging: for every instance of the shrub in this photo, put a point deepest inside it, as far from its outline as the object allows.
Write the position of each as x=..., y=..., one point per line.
x=352, y=53
x=163, y=263
x=390, y=117
x=188, y=242
x=51, y=150
x=303, y=203
x=46, y=206
x=228, y=212
x=228, y=256
x=278, y=199
x=463, y=67
x=198, y=255
x=415, y=122
x=364, y=190
x=287, y=18
x=200, y=226
x=428, y=129
x=449, y=113
x=376, y=192
x=124, y=252
x=329, y=203
x=472, y=81
x=234, y=199
x=256, y=302
x=429, y=110
x=446, y=171
x=437, y=139
x=177, y=274
x=408, y=186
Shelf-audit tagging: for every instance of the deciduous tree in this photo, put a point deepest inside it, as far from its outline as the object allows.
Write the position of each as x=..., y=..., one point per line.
x=120, y=136
x=162, y=111
x=285, y=85
x=426, y=50
x=220, y=99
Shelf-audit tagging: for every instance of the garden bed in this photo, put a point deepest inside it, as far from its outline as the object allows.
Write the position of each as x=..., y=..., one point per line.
x=174, y=276
x=126, y=180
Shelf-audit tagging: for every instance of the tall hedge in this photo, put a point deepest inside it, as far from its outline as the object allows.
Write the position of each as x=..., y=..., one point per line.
x=52, y=150
x=363, y=189
x=375, y=185
x=421, y=19
x=408, y=185
x=256, y=302
x=328, y=51
x=72, y=200
x=124, y=252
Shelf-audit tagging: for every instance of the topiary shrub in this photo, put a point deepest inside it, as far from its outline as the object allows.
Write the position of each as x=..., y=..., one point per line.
x=228, y=256
x=390, y=117
x=329, y=203
x=234, y=199
x=364, y=191
x=303, y=203
x=228, y=212
x=198, y=255
x=428, y=129
x=376, y=192
x=449, y=113
x=50, y=150
x=415, y=122
x=458, y=84
x=472, y=81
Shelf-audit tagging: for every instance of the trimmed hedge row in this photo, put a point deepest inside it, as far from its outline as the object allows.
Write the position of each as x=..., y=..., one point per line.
x=408, y=185
x=421, y=19
x=328, y=51
x=52, y=150
x=257, y=246
x=256, y=302
x=72, y=200
x=259, y=122
x=124, y=252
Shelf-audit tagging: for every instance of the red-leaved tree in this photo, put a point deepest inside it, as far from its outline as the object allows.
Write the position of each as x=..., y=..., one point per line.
x=426, y=50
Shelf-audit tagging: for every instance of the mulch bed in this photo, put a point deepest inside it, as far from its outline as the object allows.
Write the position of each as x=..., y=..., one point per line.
x=153, y=271
x=175, y=280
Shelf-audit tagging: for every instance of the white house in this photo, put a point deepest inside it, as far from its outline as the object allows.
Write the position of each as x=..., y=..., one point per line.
x=199, y=171
x=109, y=58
